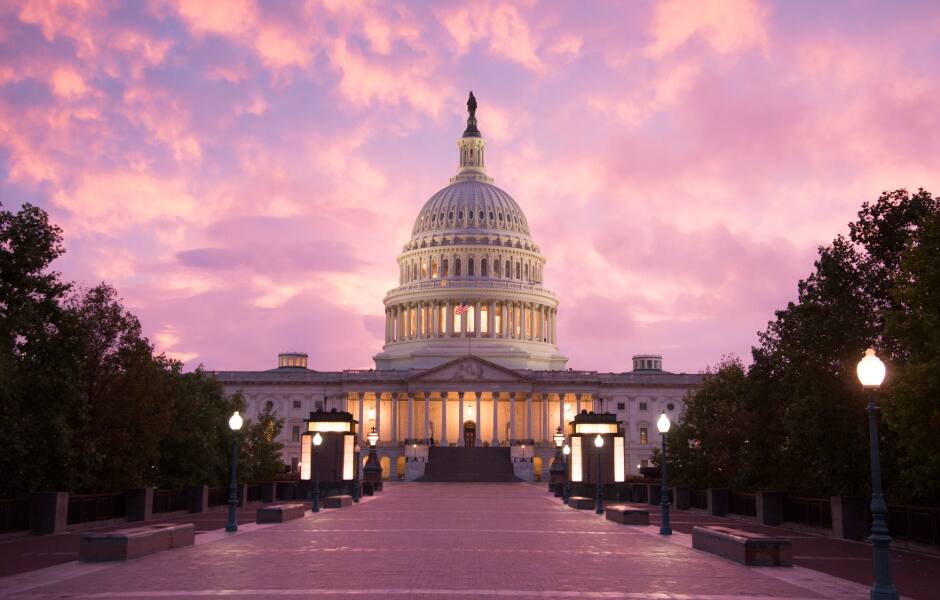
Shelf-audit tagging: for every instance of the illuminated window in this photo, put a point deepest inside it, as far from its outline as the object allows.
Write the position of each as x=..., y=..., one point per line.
x=535, y=324
x=517, y=320
x=411, y=318
x=576, y=459
x=424, y=269
x=458, y=320
x=498, y=320
x=433, y=269
x=471, y=321
x=424, y=319
x=528, y=322
x=443, y=326
x=484, y=319
x=644, y=436
x=444, y=268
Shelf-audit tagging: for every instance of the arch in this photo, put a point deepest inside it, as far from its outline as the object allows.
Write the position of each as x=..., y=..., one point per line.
x=424, y=268
x=518, y=270
x=496, y=270
x=527, y=271
x=444, y=266
x=386, y=463
x=470, y=267
x=508, y=269
x=456, y=267
x=482, y=267
x=414, y=266
x=537, y=467
x=434, y=272
x=400, y=467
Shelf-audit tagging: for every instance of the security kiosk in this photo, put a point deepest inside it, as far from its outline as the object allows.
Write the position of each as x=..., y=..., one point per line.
x=591, y=463
x=332, y=465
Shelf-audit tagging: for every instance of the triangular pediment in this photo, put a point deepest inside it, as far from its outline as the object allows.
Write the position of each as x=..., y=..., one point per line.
x=470, y=368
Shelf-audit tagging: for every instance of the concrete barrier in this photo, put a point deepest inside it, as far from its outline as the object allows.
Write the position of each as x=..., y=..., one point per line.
x=742, y=546
x=627, y=514
x=127, y=544
x=279, y=513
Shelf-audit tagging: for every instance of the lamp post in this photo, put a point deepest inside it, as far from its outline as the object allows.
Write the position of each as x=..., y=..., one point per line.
x=373, y=470
x=356, y=492
x=315, y=503
x=523, y=452
x=557, y=470
x=871, y=372
x=234, y=423
x=663, y=425
x=599, y=503
x=566, y=486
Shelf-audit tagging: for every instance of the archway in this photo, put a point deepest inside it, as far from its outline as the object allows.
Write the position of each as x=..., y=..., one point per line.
x=537, y=467
x=400, y=467
x=386, y=464
x=469, y=434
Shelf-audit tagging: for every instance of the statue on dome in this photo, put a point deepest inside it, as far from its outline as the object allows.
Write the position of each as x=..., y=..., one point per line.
x=472, y=105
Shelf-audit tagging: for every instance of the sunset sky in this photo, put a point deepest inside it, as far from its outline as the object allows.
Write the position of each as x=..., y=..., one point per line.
x=245, y=173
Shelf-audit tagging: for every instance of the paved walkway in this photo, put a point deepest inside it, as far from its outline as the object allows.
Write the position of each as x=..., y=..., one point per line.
x=435, y=541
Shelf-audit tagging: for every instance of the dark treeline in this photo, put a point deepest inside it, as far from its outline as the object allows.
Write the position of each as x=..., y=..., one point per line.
x=85, y=404
x=795, y=419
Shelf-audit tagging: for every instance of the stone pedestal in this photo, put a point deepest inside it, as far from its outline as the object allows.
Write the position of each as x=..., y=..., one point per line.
x=718, y=499
x=524, y=470
x=139, y=504
x=48, y=512
x=770, y=507
x=268, y=492
x=849, y=517
x=414, y=469
x=197, y=497
x=682, y=497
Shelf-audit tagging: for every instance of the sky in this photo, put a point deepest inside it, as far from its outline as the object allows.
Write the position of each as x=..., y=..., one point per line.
x=245, y=173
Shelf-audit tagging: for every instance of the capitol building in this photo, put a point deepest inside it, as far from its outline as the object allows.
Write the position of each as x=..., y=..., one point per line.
x=471, y=354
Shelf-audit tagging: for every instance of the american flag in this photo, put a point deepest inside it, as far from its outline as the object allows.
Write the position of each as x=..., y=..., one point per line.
x=461, y=309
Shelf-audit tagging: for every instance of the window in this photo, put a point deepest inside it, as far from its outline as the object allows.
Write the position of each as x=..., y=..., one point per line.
x=528, y=322
x=498, y=321
x=319, y=405
x=268, y=405
x=460, y=214
x=424, y=319
x=500, y=215
x=491, y=215
x=644, y=435
x=508, y=269
x=456, y=267
x=424, y=269
x=470, y=267
x=458, y=321
x=482, y=267
x=644, y=463
x=412, y=318
x=670, y=406
x=294, y=464
x=621, y=406
x=296, y=403
x=415, y=273
x=642, y=405
x=496, y=268
x=444, y=272
x=295, y=433
x=481, y=215
x=443, y=324
x=527, y=270
x=484, y=319
x=471, y=320
x=433, y=269
x=518, y=270
x=450, y=216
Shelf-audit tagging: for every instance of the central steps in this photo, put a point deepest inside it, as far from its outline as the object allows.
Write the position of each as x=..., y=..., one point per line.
x=474, y=464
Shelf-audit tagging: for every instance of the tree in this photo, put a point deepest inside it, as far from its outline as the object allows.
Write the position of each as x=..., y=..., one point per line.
x=259, y=451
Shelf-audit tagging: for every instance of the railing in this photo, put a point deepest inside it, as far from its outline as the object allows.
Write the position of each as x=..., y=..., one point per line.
x=815, y=512
x=254, y=492
x=218, y=496
x=96, y=507
x=170, y=500
x=698, y=499
x=14, y=514
x=470, y=282
x=742, y=504
x=914, y=523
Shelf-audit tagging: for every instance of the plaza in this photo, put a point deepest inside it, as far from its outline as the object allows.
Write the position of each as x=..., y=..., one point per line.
x=436, y=540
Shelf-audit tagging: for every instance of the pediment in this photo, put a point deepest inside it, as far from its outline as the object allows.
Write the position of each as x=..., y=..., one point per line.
x=469, y=368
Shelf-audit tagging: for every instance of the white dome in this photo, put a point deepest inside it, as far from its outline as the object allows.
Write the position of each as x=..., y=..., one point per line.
x=471, y=205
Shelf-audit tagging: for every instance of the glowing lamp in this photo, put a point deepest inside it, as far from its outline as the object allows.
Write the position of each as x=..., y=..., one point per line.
x=559, y=438
x=317, y=439
x=566, y=449
x=663, y=423
x=373, y=437
x=235, y=421
x=870, y=370
x=599, y=441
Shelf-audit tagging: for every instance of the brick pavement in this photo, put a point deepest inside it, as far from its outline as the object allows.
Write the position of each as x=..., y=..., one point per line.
x=434, y=541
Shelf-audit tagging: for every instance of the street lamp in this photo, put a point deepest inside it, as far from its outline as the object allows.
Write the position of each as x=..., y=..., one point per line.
x=599, y=503
x=315, y=503
x=663, y=425
x=556, y=471
x=523, y=452
x=356, y=491
x=566, y=490
x=234, y=423
x=871, y=372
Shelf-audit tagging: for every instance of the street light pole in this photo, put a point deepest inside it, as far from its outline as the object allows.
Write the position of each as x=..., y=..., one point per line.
x=566, y=486
x=234, y=423
x=871, y=372
x=599, y=503
x=315, y=503
x=663, y=425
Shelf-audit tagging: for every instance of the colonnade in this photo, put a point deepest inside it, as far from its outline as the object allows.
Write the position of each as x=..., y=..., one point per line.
x=486, y=319
x=498, y=418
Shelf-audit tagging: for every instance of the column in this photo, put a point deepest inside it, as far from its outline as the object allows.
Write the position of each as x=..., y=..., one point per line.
x=448, y=320
x=561, y=412
x=491, y=318
x=460, y=419
x=478, y=438
x=512, y=417
x=394, y=400
x=399, y=318
x=411, y=417
x=444, y=419
x=528, y=416
x=545, y=436
x=577, y=404
x=362, y=422
x=495, y=396
x=476, y=320
x=378, y=415
x=435, y=320
x=419, y=308
x=427, y=417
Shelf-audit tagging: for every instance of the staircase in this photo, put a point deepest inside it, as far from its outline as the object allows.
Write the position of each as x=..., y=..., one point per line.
x=468, y=464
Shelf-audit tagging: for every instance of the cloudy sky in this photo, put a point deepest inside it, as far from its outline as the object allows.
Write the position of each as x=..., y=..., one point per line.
x=245, y=172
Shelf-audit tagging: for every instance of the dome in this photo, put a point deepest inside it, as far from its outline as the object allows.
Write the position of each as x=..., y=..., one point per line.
x=471, y=205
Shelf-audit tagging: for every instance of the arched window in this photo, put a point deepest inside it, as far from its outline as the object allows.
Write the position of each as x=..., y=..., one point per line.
x=470, y=267
x=496, y=272
x=484, y=319
x=481, y=215
x=498, y=320
x=434, y=272
x=444, y=272
x=508, y=269
x=456, y=267
x=424, y=268
x=518, y=270
x=415, y=269
x=482, y=267
x=527, y=271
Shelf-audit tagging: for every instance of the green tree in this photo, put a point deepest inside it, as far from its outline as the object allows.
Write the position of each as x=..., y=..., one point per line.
x=259, y=451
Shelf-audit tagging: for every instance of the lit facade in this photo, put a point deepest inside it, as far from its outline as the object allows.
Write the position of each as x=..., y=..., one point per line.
x=471, y=353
